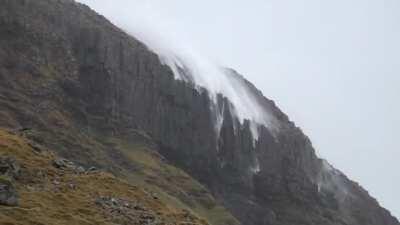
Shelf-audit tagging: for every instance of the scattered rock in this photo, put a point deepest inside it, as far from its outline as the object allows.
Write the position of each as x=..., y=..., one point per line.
x=35, y=147
x=24, y=129
x=118, y=208
x=139, y=208
x=9, y=171
x=91, y=169
x=60, y=163
x=72, y=186
x=155, y=196
x=8, y=193
x=80, y=170
x=64, y=164
x=9, y=167
x=30, y=188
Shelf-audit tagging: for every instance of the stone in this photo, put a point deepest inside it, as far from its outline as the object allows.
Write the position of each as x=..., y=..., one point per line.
x=80, y=170
x=8, y=193
x=36, y=147
x=9, y=167
x=60, y=163
x=64, y=164
x=105, y=82
x=72, y=186
x=91, y=169
x=155, y=196
x=24, y=129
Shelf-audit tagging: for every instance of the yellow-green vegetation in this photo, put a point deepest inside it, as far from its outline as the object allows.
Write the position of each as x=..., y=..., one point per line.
x=151, y=170
x=172, y=184
x=53, y=196
x=4, y=179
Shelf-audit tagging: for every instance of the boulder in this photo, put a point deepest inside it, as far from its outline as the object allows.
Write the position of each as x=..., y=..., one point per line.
x=91, y=170
x=62, y=163
x=8, y=193
x=9, y=167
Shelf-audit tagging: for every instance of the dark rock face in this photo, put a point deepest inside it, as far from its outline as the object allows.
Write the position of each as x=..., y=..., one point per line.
x=68, y=73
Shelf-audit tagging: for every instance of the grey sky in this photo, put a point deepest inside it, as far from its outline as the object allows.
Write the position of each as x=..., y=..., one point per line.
x=332, y=66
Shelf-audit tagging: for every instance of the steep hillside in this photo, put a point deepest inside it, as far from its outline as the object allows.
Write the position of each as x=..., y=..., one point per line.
x=75, y=83
x=51, y=190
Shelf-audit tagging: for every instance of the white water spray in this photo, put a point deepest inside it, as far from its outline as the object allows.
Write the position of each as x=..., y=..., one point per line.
x=333, y=180
x=147, y=24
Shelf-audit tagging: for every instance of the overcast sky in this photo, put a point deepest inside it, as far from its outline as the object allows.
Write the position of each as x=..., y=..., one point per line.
x=332, y=66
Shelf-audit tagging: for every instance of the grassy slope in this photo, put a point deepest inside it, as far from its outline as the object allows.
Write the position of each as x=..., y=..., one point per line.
x=175, y=186
x=46, y=195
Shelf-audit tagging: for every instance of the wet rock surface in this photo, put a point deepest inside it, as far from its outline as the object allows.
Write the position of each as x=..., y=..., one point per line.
x=70, y=75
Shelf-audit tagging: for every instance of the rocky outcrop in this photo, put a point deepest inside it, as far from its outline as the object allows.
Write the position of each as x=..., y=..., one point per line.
x=72, y=76
x=8, y=193
x=9, y=171
x=9, y=167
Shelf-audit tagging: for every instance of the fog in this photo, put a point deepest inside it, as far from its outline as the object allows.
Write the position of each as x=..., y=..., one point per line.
x=146, y=24
x=332, y=66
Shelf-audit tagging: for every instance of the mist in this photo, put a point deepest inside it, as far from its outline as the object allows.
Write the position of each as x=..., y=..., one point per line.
x=332, y=66
x=188, y=64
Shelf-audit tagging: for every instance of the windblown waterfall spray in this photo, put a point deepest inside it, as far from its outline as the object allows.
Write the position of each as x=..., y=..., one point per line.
x=188, y=65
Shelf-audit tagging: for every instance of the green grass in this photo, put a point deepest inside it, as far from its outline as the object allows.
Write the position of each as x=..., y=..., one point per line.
x=172, y=184
x=44, y=202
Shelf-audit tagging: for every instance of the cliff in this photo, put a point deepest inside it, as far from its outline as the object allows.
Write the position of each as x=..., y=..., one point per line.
x=86, y=89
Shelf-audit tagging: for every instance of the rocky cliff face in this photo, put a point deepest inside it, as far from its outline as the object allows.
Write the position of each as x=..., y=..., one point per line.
x=74, y=78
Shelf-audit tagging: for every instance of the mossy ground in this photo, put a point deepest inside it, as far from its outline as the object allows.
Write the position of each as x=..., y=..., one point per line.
x=174, y=186
x=52, y=196
x=5, y=180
